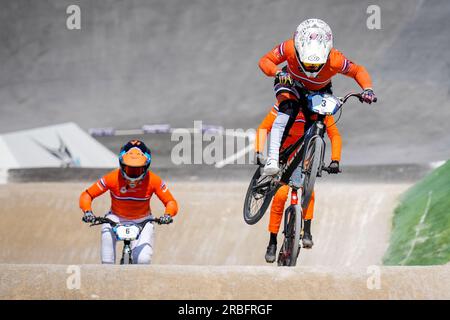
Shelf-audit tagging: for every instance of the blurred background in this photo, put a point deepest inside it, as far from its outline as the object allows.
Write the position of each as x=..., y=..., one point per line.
x=137, y=62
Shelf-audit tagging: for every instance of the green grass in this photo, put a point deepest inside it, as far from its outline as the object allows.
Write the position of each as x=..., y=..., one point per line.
x=426, y=243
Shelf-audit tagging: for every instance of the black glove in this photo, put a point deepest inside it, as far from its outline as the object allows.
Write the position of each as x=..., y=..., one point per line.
x=284, y=78
x=334, y=167
x=166, y=219
x=368, y=96
x=88, y=217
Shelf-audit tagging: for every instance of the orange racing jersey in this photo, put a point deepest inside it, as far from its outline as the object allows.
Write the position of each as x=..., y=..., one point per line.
x=126, y=202
x=336, y=63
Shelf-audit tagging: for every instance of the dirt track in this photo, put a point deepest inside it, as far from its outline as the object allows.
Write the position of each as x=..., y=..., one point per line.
x=209, y=252
x=41, y=223
x=222, y=282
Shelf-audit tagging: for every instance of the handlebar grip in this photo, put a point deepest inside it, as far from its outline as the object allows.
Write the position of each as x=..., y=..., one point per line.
x=327, y=170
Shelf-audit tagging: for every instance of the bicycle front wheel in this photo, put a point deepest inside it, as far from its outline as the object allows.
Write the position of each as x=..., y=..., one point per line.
x=297, y=232
x=311, y=164
x=291, y=245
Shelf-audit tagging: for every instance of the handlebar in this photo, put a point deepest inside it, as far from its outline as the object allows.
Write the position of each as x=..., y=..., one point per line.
x=353, y=94
x=102, y=220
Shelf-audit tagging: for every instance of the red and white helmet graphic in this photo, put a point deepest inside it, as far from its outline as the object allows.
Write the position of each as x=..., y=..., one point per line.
x=313, y=41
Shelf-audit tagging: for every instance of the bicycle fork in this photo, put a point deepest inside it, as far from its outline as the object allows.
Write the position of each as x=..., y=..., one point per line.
x=295, y=200
x=126, y=252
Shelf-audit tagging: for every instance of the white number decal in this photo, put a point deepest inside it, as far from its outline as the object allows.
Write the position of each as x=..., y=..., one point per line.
x=326, y=104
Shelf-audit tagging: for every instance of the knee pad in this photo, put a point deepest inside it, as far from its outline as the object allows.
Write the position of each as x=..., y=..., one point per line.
x=144, y=256
x=289, y=107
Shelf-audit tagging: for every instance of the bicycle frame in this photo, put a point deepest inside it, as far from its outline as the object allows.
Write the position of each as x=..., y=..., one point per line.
x=127, y=250
x=263, y=187
x=297, y=150
x=315, y=131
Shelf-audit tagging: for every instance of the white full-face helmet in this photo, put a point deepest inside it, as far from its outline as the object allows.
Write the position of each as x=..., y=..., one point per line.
x=313, y=41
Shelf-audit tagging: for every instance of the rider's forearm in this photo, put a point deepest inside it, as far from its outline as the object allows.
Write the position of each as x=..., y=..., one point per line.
x=169, y=202
x=171, y=208
x=270, y=61
x=268, y=66
x=94, y=191
x=263, y=130
x=336, y=148
x=85, y=201
x=361, y=76
x=335, y=138
x=260, y=140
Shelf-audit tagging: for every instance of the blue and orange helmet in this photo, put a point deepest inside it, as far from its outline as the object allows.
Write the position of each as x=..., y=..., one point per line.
x=134, y=160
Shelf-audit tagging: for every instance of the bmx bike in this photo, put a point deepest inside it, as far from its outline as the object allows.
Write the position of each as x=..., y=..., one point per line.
x=126, y=232
x=307, y=155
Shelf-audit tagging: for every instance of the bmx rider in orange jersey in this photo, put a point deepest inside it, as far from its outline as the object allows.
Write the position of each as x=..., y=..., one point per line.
x=279, y=200
x=131, y=187
x=311, y=62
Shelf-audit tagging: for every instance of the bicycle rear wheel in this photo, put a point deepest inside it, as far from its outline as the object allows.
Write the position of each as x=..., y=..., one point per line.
x=311, y=164
x=259, y=194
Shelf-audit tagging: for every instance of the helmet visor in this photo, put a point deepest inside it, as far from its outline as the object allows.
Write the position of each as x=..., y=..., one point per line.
x=311, y=67
x=133, y=172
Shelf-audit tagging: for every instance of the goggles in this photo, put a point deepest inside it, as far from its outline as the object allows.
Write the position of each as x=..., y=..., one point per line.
x=134, y=172
x=312, y=66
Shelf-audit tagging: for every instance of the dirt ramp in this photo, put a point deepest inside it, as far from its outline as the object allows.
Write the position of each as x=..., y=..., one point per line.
x=221, y=282
x=41, y=223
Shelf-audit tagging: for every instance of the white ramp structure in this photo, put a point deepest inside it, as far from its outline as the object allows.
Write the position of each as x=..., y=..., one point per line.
x=62, y=145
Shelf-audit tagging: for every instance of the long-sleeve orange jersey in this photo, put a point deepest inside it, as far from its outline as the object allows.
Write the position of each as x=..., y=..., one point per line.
x=297, y=131
x=336, y=63
x=126, y=202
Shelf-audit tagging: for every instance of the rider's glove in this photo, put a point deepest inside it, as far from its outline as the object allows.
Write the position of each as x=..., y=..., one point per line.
x=334, y=167
x=368, y=96
x=88, y=217
x=166, y=219
x=284, y=78
x=259, y=158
